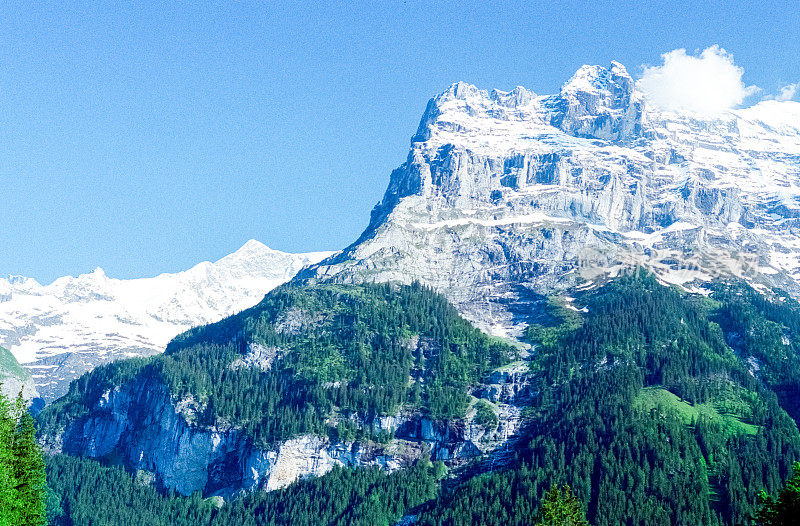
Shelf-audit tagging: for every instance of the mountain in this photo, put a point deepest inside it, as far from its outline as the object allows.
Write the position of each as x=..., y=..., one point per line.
x=61, y=330
x=639, y=267
x=656, y=406
x=310, y=378
x=14, y=378
x=505, y=195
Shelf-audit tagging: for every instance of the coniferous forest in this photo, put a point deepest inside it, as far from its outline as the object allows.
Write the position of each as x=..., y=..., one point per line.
x=646, y=410
x=352, y=356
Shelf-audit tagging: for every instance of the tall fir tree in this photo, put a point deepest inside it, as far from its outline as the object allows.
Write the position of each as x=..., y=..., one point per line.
x=560, y=507
x=8, y=503
x=22, y=476
x=31, y=485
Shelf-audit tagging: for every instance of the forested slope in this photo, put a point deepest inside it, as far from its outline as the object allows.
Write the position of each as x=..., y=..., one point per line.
x=89, y=494
x=656, y=406
x=283, y=367
x=648, y=413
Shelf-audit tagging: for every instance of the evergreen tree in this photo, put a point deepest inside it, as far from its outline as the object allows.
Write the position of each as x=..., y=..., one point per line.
x=561, y=508
x=784, y=510
x=29, y=473
x=22, y=475
x=8, y=508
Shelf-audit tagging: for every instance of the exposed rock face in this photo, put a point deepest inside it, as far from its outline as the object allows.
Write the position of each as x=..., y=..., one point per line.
x=295, y=321
x=166, y=442
x=258, y=356
x=506, y=385
x=507, y=194
x=61, y=330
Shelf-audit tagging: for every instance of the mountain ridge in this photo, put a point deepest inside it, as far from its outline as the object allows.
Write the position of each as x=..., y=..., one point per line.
x=662, y=397
x=508, y=194
x=62, y=329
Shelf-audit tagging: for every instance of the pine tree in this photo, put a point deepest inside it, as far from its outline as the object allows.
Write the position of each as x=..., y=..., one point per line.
x=8, y=503
x=22, y=476
x=560, y=507
x=31, y=485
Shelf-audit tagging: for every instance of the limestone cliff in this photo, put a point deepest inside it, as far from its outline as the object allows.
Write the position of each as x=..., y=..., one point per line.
x=504, y=194
x=150, y=432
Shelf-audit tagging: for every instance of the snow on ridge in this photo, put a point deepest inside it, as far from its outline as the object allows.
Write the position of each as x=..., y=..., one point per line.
x=75, y=323
x=486, y=122
x=504, y=193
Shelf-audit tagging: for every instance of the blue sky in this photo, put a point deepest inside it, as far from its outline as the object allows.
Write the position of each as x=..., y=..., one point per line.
x=147, y=138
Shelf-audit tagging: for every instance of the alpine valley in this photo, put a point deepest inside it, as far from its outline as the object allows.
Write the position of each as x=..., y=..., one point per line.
x=575, y=288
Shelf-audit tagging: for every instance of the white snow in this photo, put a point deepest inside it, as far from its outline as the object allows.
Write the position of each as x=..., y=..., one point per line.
x=523, y=219
x=97, y=315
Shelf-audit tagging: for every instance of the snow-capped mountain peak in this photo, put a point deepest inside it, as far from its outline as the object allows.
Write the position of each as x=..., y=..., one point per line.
x=597, y=79
x=65, y=328
x=498, y=199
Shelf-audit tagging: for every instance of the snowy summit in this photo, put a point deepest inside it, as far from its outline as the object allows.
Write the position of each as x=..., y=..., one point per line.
x=61, y=330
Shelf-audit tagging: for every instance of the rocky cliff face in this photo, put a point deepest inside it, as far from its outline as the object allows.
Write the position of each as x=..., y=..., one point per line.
x=164, y=441
x=61, y=330
x=508, y=194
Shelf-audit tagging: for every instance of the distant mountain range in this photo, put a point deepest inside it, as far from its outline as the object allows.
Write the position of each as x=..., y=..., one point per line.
x=61, y=330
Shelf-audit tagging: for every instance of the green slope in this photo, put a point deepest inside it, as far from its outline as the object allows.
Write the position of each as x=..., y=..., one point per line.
x=343, y=350
x=647, y=404
x=14, y=377
x=648, y=412
x=721, y=410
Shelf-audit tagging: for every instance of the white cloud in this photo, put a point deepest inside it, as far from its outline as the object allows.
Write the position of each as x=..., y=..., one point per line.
x=787, y=92
x=707, y=83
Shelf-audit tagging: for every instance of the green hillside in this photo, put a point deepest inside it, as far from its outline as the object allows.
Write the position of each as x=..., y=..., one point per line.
x=648, y=412
x=727, y=413
x=344, y=350
x=648, y=404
